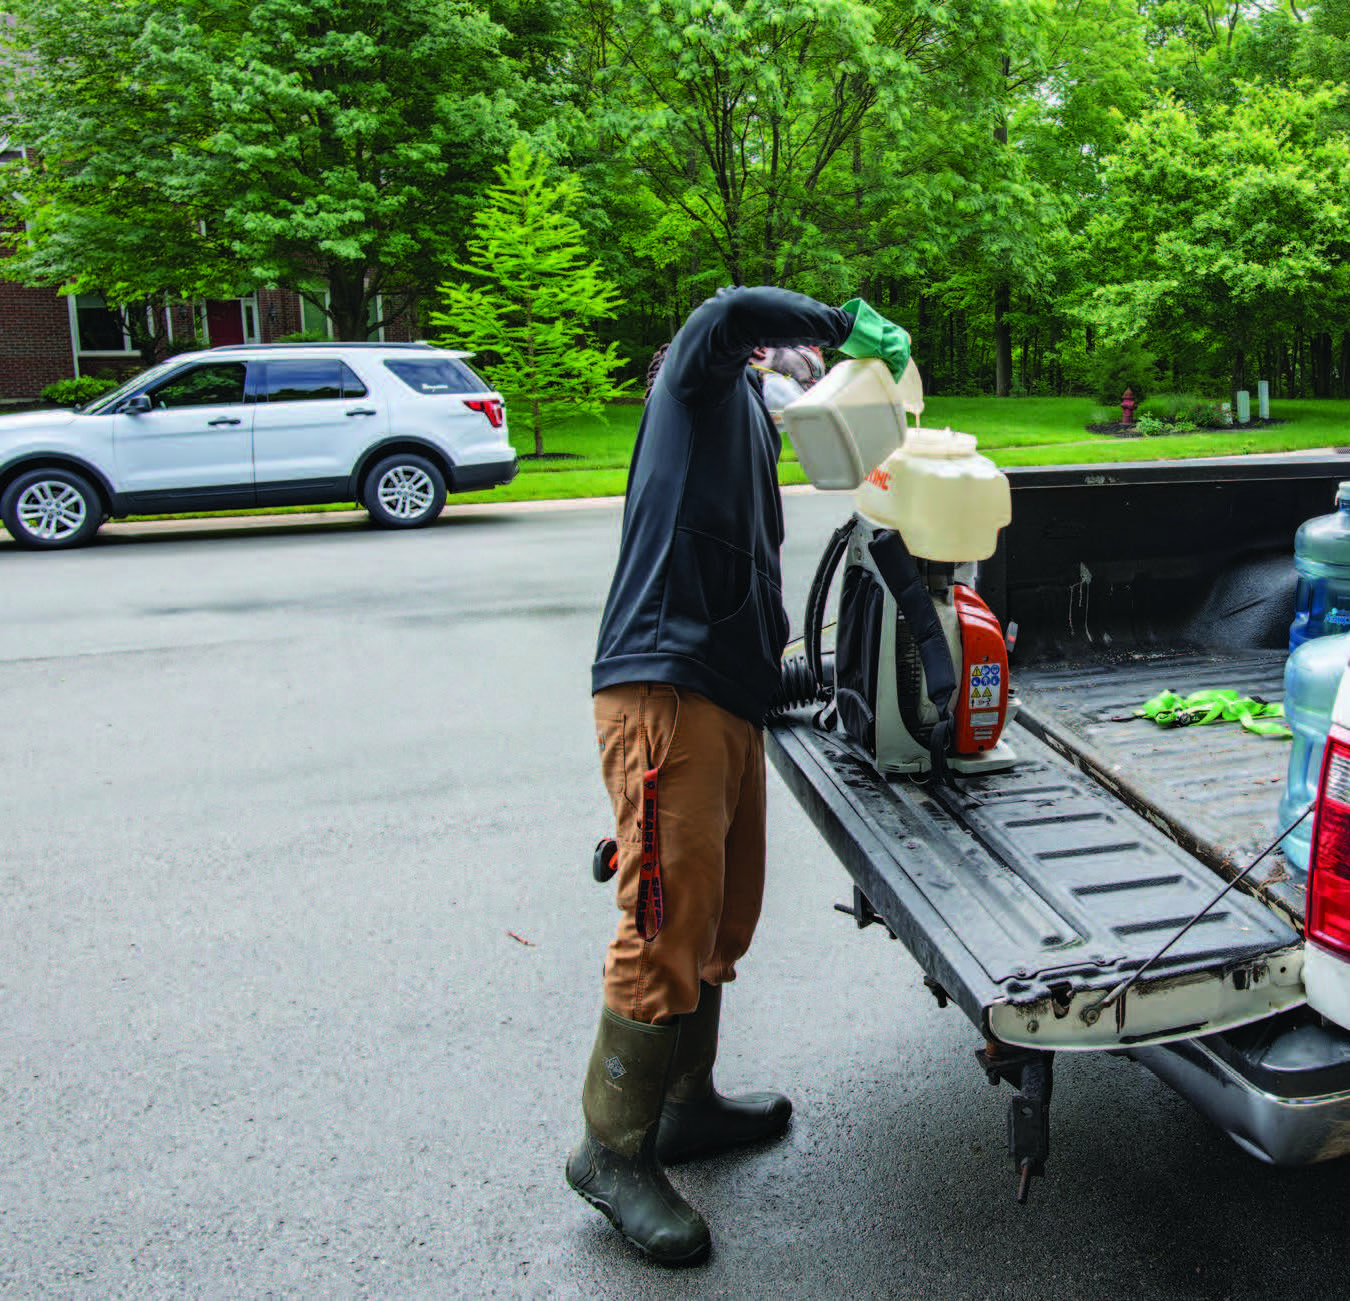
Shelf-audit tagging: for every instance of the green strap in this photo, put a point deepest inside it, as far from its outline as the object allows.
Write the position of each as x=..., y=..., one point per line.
x=1168, y=709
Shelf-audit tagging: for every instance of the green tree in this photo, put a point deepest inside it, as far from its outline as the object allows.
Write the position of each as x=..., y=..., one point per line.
x=781, y=136
x=203, y=147
x=1219, y=226
x=538, y=297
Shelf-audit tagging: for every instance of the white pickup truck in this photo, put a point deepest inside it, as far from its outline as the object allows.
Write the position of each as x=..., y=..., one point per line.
x=1056, y=903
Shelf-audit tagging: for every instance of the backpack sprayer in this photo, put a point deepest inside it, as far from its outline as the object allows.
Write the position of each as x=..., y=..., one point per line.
x=919, y=676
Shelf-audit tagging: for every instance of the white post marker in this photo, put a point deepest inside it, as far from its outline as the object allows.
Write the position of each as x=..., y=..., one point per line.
x=1263, y=398
x=1244, y=406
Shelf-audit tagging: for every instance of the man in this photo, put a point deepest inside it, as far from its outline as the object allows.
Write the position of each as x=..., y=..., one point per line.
x=686, y=669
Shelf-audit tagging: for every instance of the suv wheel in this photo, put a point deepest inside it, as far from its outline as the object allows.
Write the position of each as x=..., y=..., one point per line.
x=404, y=492
x=49, y=509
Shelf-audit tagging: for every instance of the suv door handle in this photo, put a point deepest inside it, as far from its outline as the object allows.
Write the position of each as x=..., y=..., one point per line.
x=223, y=420
x=361, y=411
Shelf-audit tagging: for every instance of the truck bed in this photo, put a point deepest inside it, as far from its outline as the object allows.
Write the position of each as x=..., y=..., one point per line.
x=1030, y=895
x=1213, y=789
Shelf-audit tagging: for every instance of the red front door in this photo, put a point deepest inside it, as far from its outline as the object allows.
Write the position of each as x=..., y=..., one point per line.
x=224, y=322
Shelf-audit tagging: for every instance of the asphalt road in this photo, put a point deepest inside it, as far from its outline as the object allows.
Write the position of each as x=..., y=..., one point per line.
x=299, y=958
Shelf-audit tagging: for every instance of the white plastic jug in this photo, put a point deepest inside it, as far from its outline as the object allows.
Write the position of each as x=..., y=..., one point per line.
x=851, y=421
x=947, y=501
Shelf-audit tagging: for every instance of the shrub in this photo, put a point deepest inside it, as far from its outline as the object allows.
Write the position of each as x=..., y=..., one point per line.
x=1185, y=408
x=305, y=336
x=189, y=343
x=1109, y=369
x=76, y=392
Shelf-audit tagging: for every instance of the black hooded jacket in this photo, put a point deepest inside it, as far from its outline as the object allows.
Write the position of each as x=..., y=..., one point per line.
x=696, y=599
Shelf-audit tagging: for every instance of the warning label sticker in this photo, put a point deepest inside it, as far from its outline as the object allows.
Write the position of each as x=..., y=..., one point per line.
x=986, y=686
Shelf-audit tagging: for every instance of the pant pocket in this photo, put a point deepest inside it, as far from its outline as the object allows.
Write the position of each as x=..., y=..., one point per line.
x=617, y=746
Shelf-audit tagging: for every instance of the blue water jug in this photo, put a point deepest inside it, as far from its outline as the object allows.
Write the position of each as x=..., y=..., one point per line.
x=1322, y=562
x=1312, y=675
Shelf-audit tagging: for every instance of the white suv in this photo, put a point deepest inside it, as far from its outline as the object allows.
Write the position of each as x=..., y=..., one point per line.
x=390, y=426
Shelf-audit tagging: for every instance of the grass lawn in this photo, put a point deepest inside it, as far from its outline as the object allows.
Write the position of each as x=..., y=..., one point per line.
x=1011, y=431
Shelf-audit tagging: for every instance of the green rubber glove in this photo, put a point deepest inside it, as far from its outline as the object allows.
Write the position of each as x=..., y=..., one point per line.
x=874, y=336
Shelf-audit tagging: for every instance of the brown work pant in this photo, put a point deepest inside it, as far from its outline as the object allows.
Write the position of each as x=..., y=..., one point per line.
x=710, y=826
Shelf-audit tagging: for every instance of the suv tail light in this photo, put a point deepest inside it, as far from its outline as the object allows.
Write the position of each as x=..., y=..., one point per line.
x=493, y=408
x=1328, y=922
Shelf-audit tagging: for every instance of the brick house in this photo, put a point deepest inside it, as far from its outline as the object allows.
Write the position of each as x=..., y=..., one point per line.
x=46, y=336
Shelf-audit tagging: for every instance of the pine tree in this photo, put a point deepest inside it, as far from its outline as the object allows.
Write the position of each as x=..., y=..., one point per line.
x=530, y=317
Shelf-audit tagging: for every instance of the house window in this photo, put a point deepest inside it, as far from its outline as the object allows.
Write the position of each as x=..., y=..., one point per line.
x=313, y=320
x=97, y=329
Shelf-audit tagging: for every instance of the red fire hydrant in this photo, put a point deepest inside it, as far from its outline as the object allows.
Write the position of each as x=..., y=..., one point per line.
x=1127, y=406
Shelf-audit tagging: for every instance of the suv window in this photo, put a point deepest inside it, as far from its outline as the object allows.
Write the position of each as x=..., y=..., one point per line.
x=436, y=375
x=310, y=381
x=214, y=385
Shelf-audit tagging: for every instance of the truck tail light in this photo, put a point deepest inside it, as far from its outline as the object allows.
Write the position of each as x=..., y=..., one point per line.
x=1328, y=921
x=493, y=408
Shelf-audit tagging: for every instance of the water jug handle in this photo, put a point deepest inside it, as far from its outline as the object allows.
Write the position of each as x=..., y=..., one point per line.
x=910, y=386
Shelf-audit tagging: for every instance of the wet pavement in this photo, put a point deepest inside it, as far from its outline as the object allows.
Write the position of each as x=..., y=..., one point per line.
x=301, y=955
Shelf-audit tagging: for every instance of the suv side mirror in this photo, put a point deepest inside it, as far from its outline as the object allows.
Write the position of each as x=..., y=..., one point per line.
x=135, y=406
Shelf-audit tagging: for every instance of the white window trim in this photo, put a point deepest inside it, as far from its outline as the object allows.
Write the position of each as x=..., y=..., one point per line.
x=73, y=312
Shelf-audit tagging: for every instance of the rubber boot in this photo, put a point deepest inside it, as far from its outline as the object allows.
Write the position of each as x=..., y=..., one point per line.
x=615, y=1167
x=696, y=1120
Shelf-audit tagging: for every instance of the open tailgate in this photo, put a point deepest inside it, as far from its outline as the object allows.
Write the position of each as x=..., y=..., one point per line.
x=1030, y=894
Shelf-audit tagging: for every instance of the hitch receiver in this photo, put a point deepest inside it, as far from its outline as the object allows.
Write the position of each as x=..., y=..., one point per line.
x=1031, y=1073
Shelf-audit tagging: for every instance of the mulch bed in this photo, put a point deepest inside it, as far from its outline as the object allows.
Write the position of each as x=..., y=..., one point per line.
x=1117, y=430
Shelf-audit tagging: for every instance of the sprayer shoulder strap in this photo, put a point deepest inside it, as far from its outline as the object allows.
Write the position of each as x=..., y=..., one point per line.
x=901, y=576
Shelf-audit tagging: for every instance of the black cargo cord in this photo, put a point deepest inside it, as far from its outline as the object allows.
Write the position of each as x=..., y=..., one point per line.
x=1120, y=990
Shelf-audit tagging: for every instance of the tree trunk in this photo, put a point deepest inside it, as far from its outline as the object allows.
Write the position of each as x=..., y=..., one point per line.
x=145, y=324
x=1002, y=341
x=1239, y=376
x=348, y=304
x=1321, y=359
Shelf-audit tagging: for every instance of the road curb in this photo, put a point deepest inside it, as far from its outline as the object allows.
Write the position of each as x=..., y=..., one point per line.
x=352, y=518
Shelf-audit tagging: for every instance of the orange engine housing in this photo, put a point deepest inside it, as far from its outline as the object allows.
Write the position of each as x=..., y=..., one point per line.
x=982, y=687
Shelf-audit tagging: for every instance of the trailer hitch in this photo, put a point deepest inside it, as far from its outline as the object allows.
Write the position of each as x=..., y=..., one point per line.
x=863, y=913
x=1031, y=1073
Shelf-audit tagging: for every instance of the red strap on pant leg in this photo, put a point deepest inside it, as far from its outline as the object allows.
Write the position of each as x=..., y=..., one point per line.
x=650, y=904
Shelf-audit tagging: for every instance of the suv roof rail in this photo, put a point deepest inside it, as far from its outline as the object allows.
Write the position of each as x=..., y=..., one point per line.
x=323, y=343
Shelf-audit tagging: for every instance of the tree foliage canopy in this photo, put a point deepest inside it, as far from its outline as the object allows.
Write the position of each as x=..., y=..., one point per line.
x=1047, y=192
x=207, y=147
